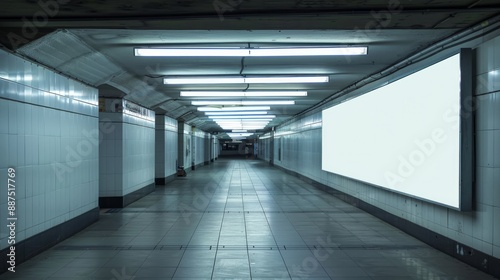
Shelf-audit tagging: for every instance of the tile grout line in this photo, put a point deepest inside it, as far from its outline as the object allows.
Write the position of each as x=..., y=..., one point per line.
x=245, y=222
x=221, y=225
x=274, y=238
x=187, y=245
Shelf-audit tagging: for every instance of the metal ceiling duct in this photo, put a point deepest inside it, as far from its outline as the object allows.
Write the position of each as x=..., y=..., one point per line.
x=66, y=53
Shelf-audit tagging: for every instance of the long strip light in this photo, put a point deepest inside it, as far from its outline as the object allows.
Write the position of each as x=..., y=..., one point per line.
x=304, y=51
x=241, y=120
x=242, y=93
x=234, y=108
x=242, y=127
x=252, y=128
x=243, y=103
x=242, y=124
x=244, y=117
x=239, y=113
x=241, y=134
x=245, y=80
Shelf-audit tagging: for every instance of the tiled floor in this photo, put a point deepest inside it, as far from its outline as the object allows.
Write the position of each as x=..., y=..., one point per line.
x=241, y=219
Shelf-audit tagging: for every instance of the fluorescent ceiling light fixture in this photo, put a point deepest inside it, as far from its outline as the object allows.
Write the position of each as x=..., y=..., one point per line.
x=234, y=108
x=254, y=128
x=244, y=122
x=236, y=119
x=238, y=134
x=242, y=127
x=297, y=51
x=244, y=117
x=251, y=127
x=239, y=130
x=276, y=102
x=308, y=51
x=245, y=80
x=242, y=93
x=243, y=103
x=235, y=113
x=190, y=52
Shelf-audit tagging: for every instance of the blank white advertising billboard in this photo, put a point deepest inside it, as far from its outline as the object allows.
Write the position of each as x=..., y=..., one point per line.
x=404, y=136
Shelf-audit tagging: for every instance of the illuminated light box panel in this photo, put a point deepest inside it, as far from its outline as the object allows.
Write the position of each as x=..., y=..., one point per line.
x=409, y=136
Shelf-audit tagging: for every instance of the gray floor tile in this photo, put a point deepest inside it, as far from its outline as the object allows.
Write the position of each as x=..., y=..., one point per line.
x=241, y=219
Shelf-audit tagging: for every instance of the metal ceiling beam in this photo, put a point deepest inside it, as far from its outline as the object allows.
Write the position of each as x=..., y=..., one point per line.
x=7, y=21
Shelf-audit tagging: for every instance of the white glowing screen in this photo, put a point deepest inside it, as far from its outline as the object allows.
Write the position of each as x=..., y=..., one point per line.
x=403, y=136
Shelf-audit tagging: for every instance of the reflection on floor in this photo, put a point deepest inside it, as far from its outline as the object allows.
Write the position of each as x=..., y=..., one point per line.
x=241, y=219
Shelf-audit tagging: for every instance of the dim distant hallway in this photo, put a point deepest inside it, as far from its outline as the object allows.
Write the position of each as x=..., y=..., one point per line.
x=241, y=219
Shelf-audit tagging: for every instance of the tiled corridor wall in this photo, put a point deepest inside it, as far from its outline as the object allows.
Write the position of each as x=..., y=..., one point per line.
x=166, y=148
x=139, y=153
x=483, y=227
x=264, y=146
x=49, y=135
x=300, y=144
x=200, y=140
x=127, y=156
x=185, y=145
x=215, y=147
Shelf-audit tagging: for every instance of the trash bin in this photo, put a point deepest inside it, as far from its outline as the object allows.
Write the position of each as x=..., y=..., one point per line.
x=181, y=172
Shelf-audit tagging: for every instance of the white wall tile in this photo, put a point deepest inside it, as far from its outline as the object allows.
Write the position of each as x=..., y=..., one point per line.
x=484, y=112
x=485, y=182
x=484, y=148
x=484, y=57
x=4, y=116
x=496, y=189
x=496, y=147
x=486, y=221
x=13, y=115
x=4, y=151
x=34, y=143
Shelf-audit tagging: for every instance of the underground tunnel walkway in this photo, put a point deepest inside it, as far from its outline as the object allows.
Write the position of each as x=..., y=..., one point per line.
x=241, y=219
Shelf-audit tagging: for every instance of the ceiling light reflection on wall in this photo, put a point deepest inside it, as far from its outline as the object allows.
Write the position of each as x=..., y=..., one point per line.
x=246, y=80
